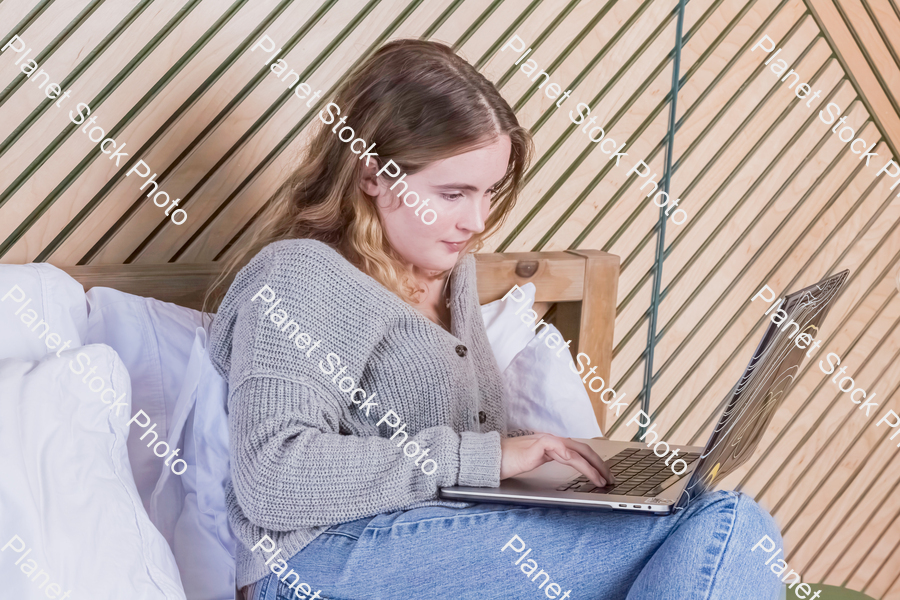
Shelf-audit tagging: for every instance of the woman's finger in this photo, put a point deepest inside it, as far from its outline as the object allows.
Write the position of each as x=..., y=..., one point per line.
x=578, y=462
x=592, y=457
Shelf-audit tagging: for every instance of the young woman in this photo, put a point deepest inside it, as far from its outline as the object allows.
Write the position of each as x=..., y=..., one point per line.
x=361, y=380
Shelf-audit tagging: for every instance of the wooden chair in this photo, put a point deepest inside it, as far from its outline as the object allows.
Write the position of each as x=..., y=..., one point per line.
x=576, y=291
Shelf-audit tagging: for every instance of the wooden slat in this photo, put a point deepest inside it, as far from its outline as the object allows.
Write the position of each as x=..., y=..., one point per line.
x=598, y=310
x=183, y=284
x=858, y=69
x=558, y=276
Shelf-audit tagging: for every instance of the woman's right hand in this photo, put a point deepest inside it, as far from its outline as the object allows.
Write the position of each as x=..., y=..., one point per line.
x=524, y=453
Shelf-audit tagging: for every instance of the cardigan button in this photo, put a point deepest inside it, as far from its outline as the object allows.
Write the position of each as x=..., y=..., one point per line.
x=482, y=417
x=461, y=350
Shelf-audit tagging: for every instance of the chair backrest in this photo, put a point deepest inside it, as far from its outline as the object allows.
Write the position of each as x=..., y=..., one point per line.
x=576, y=291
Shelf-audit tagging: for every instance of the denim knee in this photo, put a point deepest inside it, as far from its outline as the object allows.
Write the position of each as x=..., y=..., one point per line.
x=750, y=521
x=753, y=522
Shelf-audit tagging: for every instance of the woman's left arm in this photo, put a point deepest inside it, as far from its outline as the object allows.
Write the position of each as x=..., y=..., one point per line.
x=291, y=468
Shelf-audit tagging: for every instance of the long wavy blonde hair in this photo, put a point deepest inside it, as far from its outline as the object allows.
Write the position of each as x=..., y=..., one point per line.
x=419, y=103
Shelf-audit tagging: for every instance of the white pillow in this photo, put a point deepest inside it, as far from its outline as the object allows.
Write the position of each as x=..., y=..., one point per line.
x=543, y=393
x=190, y=510
x=66, y=487
x=163, y=347
x=39, y=292
x=505, y=331
x=153, y=339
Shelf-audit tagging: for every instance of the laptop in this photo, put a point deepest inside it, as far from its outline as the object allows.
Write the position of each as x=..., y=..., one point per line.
x=644, y=483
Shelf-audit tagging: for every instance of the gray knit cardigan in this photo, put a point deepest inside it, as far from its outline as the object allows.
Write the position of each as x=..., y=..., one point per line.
x=303, y=455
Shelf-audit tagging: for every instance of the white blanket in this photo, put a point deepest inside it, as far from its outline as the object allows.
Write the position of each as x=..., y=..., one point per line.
x=72, y=522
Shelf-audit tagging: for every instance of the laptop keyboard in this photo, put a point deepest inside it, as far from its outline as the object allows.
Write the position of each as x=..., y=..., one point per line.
x=638, y=472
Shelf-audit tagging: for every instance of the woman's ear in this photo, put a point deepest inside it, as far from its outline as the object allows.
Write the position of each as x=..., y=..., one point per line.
x=368, y=180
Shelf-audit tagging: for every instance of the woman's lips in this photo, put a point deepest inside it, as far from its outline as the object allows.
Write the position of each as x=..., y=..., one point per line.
x=455, y=246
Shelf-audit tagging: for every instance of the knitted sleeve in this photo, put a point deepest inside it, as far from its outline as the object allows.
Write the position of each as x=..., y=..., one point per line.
x=295, y=463
x=291, y=469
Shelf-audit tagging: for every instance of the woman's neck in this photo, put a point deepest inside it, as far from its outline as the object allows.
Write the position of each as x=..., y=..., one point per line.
x=431, y=303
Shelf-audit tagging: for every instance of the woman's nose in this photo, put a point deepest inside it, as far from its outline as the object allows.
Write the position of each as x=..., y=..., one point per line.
x=473, y=218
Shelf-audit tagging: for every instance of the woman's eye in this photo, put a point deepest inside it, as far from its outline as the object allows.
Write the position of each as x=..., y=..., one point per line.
x=451, y=196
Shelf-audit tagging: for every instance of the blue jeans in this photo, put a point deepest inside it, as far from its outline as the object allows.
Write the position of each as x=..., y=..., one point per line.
x=492, y=551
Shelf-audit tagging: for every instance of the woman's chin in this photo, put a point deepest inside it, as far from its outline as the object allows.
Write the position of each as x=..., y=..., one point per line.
x=438, y=263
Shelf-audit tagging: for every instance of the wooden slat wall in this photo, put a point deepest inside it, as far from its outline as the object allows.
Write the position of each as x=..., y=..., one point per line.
x=773, y=196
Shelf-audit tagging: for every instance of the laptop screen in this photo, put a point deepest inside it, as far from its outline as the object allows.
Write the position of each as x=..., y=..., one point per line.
x=767, y=379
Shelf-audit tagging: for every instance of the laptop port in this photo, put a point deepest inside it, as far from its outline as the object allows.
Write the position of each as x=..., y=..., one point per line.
x=636, y=505
x=624, y=505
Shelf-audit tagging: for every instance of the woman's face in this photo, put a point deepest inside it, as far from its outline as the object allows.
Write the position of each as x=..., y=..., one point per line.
x=458, y=189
